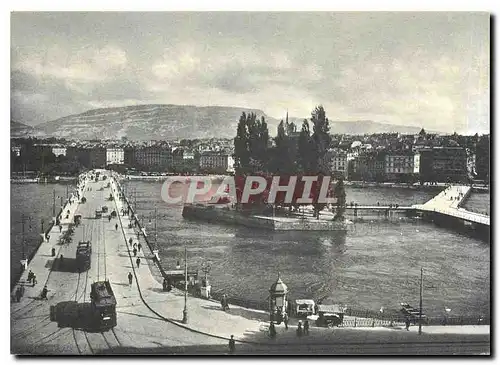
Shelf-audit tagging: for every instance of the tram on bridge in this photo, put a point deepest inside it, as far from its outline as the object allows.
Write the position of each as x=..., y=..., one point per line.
x=103, y=303
x=83, y=252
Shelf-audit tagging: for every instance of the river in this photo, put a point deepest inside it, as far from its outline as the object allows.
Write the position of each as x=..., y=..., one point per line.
x=372, y=265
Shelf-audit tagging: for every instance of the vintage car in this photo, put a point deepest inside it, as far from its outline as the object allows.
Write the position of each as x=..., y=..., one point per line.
x=328, y=315
x=413, y=314
x=304, y=307
x=77, y=219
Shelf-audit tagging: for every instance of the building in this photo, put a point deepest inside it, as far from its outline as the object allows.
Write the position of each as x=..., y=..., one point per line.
x=337, y=162
x=443, y=164
x=216, y=161
x=115, y=156
x=16, y=150
x=155, y=157
x=98, y=157
x=368, y=166
x=402, y=166
x=59, y=150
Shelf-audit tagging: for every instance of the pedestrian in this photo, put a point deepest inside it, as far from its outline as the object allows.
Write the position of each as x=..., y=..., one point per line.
x=116, y=225
x=43, y=295
x=285, y=320
x=139, y=246
x=135, y=245
x=272, y=330
x=60, y=228
x=30, y=276
x=33, y=277
x=407, y=323
x=165, y=284
x=299, y=329
x=130, y=278
x=130, y=240
x=138, y=262
x=231, y=345
x=18, y=294
x=306, y=327
x=135, y=251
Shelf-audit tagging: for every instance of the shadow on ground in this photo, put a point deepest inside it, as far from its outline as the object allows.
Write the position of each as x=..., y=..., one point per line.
x=74, y=315
x=64, y=265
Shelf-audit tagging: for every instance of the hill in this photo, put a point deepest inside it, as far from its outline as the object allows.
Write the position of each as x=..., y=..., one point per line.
x=166, y=122
x=151, y=122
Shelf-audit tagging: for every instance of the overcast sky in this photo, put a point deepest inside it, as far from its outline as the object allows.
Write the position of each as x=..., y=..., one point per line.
x=419, y=69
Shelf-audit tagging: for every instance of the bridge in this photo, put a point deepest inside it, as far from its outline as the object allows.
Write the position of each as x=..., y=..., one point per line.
x=149, y=319
x=448, y=203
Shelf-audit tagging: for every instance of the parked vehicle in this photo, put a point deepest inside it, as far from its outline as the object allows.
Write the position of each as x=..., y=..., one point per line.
x=77, y=219
x=304, y=307
x=328, y=315
x=412, y=313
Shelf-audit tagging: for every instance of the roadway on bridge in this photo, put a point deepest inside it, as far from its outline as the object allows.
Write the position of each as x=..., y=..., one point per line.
x=33, y=331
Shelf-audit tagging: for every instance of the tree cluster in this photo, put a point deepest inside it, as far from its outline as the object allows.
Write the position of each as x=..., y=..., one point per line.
x=291, y=154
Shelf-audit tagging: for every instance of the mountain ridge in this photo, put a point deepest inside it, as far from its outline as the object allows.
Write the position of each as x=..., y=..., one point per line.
x=170, y=121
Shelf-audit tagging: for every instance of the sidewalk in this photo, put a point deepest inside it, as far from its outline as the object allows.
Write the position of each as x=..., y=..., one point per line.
x=42, y=261
x=245, y=324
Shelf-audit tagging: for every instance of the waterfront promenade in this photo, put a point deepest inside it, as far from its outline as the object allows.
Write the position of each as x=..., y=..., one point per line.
x=149, y=319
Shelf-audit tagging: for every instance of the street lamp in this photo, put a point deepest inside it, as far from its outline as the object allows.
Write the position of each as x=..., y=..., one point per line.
x=185, y=311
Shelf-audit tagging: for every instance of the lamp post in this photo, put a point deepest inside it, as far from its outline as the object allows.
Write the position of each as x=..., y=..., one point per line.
x=421, y=299
x=185, y=311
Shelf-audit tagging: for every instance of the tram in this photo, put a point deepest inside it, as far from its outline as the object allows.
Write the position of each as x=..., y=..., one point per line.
x=83, y=252
x=103, y=303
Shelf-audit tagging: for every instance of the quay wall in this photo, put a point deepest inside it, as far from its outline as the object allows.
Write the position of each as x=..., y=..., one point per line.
x=225, y=215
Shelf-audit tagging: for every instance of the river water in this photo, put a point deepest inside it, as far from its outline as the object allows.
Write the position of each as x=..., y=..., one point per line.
x=372, y=265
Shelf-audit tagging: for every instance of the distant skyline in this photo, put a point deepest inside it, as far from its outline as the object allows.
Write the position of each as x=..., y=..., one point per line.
x=427, y=70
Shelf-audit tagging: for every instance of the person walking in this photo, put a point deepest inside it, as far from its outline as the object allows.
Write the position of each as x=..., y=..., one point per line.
x=285, y=320
x=272, y=330
x=139, y=246
x=306, y=327
x=130, y=278
x=138, y=262
x=116, y=226
x=231, y=345
x=130, y=240
x=135, y=251
x=33, y=277
x=407, y=323
x=18, y=294
x=30, y=276
x=299, y=329
x=43, y=295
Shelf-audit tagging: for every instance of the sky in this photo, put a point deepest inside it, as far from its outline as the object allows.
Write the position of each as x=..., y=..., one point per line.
x=424, y=69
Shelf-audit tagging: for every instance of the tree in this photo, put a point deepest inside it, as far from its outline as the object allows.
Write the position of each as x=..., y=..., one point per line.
x=339, y=193
x=321, y=140
x=241, y=154
x=304, y=148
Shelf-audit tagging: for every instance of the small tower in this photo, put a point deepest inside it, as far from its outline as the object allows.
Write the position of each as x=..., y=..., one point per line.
x=278, y=300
